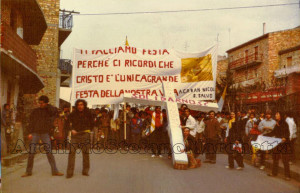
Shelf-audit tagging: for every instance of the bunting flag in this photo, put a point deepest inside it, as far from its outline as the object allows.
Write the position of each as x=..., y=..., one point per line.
x=222, y=99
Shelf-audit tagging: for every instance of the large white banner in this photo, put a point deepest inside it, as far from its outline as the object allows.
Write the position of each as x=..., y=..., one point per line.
x=103, y=76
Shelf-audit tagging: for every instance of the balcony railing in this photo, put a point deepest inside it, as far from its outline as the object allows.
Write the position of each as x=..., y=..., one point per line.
x=11, y=41
x=65, y=20
x=65, y=66
x=283, y=72
x=246, y=61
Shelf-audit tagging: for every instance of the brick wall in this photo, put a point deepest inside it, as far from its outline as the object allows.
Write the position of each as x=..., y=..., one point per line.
x=295, y=58
x=221, y=71
x=5, y=11
x=48, y=52
x=293, y=84
x=269, y=48
x=222, y=68
x=280, y=40
x=261, y=69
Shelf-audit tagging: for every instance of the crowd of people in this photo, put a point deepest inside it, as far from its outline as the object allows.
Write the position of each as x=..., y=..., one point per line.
x=203, y=133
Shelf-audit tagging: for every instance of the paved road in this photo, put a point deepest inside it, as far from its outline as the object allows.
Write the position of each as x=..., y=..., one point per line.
x=113, y=173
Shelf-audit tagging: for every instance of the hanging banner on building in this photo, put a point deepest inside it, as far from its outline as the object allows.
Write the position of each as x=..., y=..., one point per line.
x=103, y=76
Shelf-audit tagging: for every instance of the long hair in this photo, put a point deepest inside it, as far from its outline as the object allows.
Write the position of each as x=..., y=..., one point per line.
x=281, y=116
x=84, y=104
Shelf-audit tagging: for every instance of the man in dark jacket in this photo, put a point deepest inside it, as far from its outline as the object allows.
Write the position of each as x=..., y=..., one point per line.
x=212, y=133
x=81, y=124
x=234, y=145
x=41, y=122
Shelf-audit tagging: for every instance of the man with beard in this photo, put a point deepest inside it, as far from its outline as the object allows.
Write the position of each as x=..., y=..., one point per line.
x=81, y=124
x=211, y=136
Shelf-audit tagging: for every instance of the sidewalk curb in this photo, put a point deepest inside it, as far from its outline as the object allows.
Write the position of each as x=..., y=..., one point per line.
x=13, y=159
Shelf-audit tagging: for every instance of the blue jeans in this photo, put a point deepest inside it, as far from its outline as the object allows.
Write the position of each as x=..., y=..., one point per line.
x=47, y=146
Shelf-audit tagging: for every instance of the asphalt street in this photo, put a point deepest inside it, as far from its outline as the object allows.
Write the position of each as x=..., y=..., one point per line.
x=130, y=173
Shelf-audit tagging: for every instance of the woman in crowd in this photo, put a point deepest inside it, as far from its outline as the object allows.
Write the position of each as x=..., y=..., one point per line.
x=281, y=130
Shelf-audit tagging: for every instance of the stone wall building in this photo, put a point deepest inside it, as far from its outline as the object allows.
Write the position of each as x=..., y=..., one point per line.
x=222, y=67
x=253, y=65
x=266, y=72
x=289, y=74
x=32, y=32
x=22, y=26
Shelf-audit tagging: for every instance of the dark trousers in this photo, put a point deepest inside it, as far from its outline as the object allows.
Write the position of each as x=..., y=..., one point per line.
x=47, y=146
x=234, y=155
x=82, y=142
x=167, y=143
x=262, y=155
x=115, y=135
x=8, y=142
x=210, y=148
x=293, y=153
x=156, y=141
x=135, y=140
x=280, y=152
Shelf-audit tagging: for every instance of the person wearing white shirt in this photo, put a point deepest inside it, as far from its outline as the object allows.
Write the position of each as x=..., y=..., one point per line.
x=190, y=122
x=200, y=125
x=218, y=117
x=293, y=134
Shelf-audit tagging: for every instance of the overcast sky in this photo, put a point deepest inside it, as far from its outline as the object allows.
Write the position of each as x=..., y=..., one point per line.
x=187, y=31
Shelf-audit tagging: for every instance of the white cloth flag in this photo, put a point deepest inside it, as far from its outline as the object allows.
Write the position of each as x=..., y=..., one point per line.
x=116, y=111
x=265, y=143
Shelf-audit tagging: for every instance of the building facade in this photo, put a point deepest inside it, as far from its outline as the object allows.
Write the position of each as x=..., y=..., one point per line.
x=22, y=26
x=222, y=66
x=289, y=74
x=32, y=32
x=253, y=65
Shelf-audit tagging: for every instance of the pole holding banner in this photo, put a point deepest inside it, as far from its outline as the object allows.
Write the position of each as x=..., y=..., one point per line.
x=124, y=121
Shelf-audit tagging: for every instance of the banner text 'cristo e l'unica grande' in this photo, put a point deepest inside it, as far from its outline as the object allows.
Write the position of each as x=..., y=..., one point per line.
x=103, y=76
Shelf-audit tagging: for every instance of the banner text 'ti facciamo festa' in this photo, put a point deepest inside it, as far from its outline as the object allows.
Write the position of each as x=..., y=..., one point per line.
x=103, y=76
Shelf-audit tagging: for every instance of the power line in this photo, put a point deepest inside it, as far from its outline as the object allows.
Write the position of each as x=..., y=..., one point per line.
x=187, y=10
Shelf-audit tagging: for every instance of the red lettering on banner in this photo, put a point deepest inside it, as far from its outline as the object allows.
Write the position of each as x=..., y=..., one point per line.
x=184, y=101
x=192, y=102
x=161, y=93
x=92, y=63
x=116, y=62
x=176, y=92
x=170, y=99
x=87, y=94
x=154, y=93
